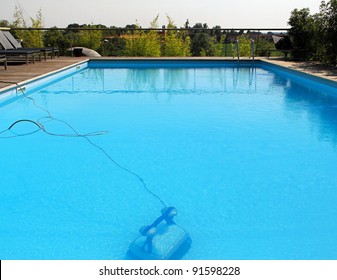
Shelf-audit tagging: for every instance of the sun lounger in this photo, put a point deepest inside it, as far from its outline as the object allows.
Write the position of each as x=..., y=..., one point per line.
x=4, y=60
x=17, y=55
x=17, y=45
x=284, y=45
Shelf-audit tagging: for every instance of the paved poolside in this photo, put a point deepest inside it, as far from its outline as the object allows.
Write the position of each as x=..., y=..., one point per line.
x=19, y=73
x=310, y=67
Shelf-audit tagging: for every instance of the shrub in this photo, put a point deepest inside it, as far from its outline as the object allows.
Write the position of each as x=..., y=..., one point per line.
x=143, y=43
x=244, y=46
x=176, y=43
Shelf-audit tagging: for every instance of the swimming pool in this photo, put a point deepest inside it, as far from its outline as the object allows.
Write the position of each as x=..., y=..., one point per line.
x=246, y=153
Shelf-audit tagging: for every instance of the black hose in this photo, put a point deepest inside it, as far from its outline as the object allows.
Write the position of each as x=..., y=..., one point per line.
x=76, y=134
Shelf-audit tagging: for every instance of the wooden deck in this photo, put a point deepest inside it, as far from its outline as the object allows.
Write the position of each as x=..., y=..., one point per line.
x=22, y=72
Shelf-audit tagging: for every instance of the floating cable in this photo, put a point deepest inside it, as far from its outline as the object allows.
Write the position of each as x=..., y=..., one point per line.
x=40, y=127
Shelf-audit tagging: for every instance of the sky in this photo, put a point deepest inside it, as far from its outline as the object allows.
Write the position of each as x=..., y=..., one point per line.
x=226, y=13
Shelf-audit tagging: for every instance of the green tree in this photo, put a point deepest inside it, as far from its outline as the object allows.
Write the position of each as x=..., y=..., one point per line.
x=91, y=39
x=143, y=43
x=217, y=46
x=204, y=42
x=316, y=33
x=200, y=44
x=216, y=31
x=19, y=22
x=302, y=31
x=244, y=43
x=327, y=28
x=34, y=37
x=152, y=40
x=262, y=46
x=56, y=38
x=114, y=47
x=176, y=43
x=30, y=38
x=71, y=35
x=4, y=23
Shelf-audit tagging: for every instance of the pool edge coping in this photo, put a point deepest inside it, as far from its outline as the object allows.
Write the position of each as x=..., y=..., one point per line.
x=39, y=77
x=259, y=60
x=308, y=75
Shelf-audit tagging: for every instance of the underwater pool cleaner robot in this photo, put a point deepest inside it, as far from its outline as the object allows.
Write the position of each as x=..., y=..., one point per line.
x=162, y=239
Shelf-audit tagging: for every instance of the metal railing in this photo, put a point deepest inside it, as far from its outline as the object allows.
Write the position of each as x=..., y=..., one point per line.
x=109, y=41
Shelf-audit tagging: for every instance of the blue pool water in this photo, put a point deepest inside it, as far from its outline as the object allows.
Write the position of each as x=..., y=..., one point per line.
x=248, y=156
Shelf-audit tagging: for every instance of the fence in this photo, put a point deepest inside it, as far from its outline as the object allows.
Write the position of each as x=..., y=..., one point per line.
x=155, y=41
